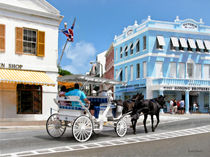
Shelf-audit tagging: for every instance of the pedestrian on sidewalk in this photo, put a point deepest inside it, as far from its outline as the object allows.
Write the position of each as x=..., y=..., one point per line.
x=194, y=106
x=182, y=106
x=174, y=107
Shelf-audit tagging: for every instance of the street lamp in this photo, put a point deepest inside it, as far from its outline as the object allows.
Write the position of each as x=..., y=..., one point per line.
x=101, y=65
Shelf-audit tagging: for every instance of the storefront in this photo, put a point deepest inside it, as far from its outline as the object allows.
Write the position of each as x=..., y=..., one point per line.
x=28, y=59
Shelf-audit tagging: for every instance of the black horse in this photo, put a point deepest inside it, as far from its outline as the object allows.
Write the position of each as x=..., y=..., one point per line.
x=128, y=105
x=147, y=107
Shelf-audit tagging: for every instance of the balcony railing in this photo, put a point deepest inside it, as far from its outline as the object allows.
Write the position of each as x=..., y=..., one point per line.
x=183, y=82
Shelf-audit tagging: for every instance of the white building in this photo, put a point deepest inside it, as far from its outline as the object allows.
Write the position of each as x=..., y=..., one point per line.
x=28, y=58
x=101, y=60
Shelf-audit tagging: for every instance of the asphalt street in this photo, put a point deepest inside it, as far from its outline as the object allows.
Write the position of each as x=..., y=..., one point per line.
x=14, y=140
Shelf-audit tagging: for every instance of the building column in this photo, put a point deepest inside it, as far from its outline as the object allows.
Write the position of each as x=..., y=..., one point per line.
x=161, y=93
x=187, y=102
x=209, y=103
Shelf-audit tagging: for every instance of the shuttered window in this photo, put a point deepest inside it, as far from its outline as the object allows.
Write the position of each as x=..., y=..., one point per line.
x=41, y=44
x=19, y=40
x=2, y=38
x=30, y=41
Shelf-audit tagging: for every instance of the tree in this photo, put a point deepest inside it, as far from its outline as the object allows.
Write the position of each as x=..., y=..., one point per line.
x=63, y=72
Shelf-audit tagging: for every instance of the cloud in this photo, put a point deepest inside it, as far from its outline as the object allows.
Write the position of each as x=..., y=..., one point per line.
x=80, y=56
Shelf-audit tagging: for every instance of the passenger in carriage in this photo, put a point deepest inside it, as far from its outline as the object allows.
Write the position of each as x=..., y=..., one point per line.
x=62, y=94
x=77, y=92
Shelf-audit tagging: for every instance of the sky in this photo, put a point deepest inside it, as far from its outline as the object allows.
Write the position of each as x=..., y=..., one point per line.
x=98, y=21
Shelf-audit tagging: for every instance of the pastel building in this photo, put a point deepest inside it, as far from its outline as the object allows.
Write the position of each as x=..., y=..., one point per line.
x=28, y=59
x=168, y=58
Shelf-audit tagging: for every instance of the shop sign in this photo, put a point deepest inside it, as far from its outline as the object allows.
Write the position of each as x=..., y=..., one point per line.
x=10, y=66
x=189, y=26
x=179, y=88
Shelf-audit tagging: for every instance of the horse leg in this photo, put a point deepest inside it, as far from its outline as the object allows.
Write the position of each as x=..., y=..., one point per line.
x=158, y=120
x=145, y=119
x=133, y=121
x=152, y=120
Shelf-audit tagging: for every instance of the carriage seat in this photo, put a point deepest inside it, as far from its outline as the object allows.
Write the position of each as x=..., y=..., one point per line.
x=69, y=105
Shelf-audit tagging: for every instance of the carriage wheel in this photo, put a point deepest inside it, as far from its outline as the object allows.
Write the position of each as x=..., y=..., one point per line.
x=54, y=126
x=82, y=128
x=121, y=128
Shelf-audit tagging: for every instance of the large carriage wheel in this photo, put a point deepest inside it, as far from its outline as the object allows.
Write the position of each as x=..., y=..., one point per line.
x=82, y=128
x=121, y=127
x=54, y=126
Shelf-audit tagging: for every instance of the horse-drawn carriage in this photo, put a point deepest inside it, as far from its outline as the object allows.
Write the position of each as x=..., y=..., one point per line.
x=81, y=121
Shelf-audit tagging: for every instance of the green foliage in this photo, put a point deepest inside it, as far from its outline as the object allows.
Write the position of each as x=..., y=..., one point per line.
x=63, y=72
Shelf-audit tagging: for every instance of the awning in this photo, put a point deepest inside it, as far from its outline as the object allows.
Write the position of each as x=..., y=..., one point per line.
x=161, y=40
x=125, y=48
x=200, y=44
x=175, y=41
x=136, y=43
x=25, y=77
x=192, y=43
x=207, y=44
x=130, y=46
x=183, y=42
x=118, y=74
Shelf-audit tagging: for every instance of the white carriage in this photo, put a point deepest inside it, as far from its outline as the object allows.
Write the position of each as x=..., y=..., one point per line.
x=81, y=121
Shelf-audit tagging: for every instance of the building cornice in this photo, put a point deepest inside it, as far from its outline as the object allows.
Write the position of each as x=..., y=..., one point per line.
x=159, y=29
x=30, y=12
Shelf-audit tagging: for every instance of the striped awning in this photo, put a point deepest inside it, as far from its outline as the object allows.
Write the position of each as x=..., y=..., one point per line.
x=25, y=77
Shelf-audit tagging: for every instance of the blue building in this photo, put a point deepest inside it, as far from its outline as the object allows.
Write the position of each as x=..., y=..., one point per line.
x=160, y=57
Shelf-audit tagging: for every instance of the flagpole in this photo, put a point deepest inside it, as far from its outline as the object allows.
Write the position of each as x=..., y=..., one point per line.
x=62, y=53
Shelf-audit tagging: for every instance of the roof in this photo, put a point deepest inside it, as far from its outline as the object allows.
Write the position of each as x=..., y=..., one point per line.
x=88, y=79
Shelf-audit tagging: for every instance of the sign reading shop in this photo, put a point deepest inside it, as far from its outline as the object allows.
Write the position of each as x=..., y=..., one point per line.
x=189, y=25
x=11, y=66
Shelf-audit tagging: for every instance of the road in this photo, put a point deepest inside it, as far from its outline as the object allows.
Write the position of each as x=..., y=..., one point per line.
x=181, y=137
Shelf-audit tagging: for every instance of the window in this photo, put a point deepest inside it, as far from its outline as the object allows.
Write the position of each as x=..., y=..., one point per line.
x=188, y=46
x=144, y=69
x=131, y=73
x=206, y=101
x=172, y=70
x=121, y=52
x=191, y=44
x=198, y=71
x=137, y=70
x=181, y=70
x=207, y=45
x=183, y=44
x=138, y=47
x=206, y=71
x=126, y=51
x=30, y=41
x=199, y=45
x=29, y=99
x=189, y=70
x=160, y=42
x=116, y=54
x=121, y=75
x=145, y=42
x=174, y=43
x=159, y=69
x=2, y=38
x=131, y=48
x=126, y=74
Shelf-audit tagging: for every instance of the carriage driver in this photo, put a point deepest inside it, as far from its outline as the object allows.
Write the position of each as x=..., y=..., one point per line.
x=77, y=92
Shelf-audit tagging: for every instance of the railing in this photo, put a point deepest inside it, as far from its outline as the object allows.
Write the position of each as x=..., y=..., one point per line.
x=186, y=82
